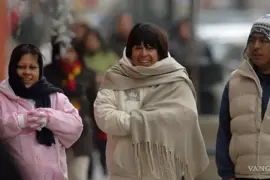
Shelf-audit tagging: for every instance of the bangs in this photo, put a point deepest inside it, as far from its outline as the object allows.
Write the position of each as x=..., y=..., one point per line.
x=150, y=36
x=24, y=49
x=29, y=49
x=145, y=37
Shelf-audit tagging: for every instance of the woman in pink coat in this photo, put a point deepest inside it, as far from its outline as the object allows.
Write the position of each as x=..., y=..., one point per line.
x=37, y=120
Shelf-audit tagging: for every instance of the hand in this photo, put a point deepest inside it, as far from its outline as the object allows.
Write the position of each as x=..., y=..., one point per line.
x=37, y=120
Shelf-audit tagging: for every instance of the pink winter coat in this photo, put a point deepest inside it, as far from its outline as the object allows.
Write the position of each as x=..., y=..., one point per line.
x=39, y=162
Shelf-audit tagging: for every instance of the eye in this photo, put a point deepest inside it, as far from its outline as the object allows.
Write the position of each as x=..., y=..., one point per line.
x=20, y=67
x=149, y=47
x=33, y=67
x=265, y=40
x=24, y=67
x=251, y=39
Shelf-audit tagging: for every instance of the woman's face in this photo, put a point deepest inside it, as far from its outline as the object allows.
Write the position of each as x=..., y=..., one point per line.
x=144, y=56
x=92, y=42
x=71, y=56
x=28, y=69
x=80, y=32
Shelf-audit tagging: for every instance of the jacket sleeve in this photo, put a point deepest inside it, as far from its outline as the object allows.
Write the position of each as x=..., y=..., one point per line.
x=223, y=161
x=109, y=119
x=11, y=126
x=64, y=121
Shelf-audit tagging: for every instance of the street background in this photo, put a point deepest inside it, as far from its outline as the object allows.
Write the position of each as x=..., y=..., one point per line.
x=218, y=33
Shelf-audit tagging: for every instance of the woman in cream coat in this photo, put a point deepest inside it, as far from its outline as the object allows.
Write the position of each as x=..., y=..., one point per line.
x=147, y=107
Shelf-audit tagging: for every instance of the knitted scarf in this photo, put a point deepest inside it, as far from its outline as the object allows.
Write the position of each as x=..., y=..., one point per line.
x=72, y=71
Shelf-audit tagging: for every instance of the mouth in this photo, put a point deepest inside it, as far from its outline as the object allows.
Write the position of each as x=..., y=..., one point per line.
x=144, y=62
x=27, y=80
x=257, y=56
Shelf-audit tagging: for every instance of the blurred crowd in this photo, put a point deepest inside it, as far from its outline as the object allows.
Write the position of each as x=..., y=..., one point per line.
x=77, y=54
x=52, y=24
x=88, y=54
x=101, y=49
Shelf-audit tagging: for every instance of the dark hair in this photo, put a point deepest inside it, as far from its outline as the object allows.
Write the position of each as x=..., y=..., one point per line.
x=96, y=32
x=148, y=34
x=79, y=51
x=75, y=45
x=18, y=52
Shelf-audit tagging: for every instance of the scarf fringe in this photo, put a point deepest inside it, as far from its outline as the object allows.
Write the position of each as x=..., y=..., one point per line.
x=155, y=160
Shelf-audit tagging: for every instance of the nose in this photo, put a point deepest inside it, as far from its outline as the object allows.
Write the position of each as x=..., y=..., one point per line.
x=144, y=52
x=26, y=71
x=257, y=44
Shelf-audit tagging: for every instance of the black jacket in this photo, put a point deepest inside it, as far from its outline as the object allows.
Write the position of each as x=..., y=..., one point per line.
x=85, y=94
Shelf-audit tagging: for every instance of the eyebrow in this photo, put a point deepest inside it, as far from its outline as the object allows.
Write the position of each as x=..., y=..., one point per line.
x=257, y=35
x=27, y=65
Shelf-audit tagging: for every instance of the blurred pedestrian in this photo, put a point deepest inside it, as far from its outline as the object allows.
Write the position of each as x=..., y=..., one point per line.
x=100, y=58
x=118, y=39
x=78, y=83
x=37, y=120
x=147, y=107
x=97, y=54
x=243, y=141
x=80, y=29
x=197, y=57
